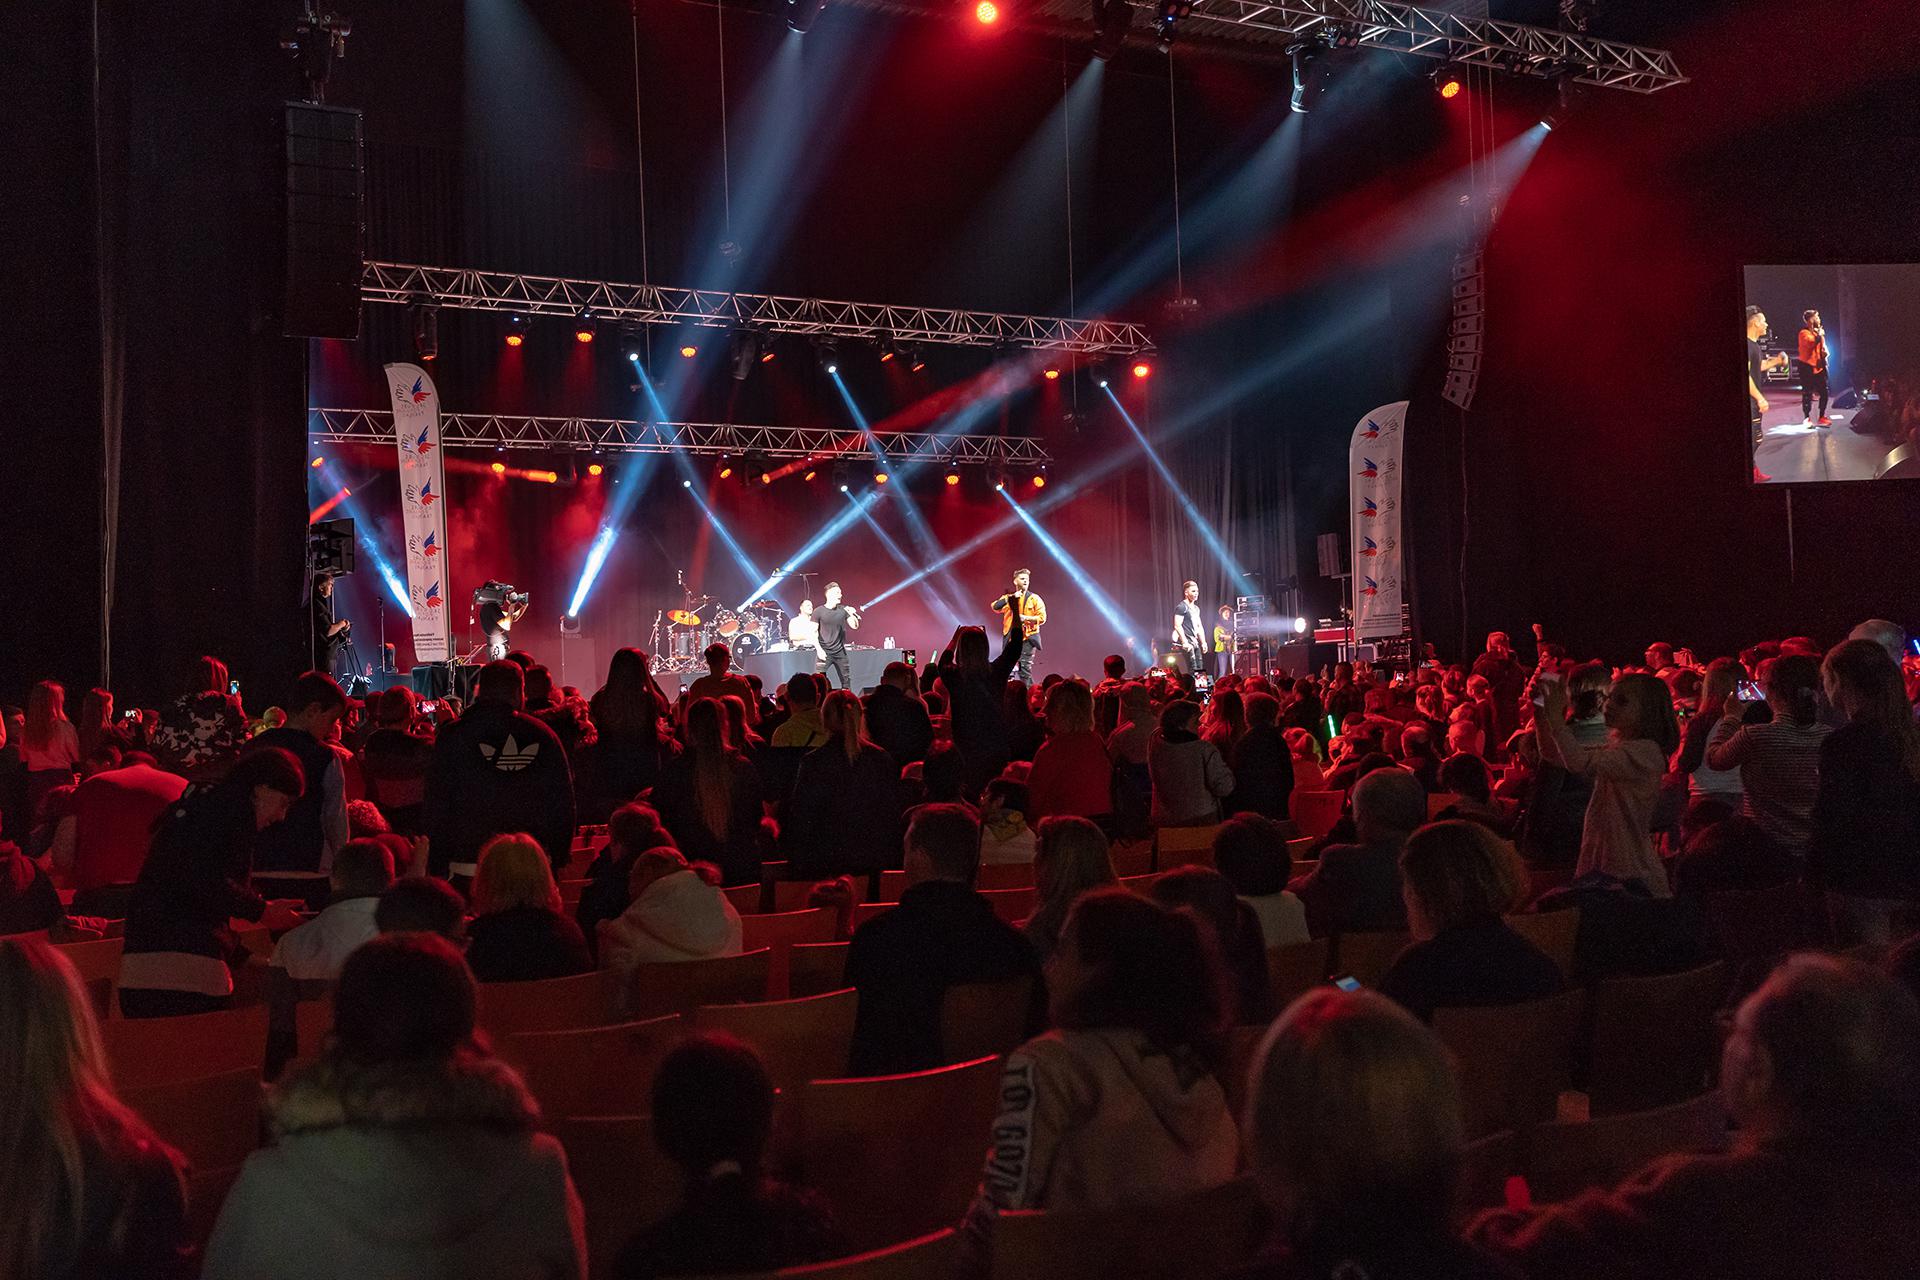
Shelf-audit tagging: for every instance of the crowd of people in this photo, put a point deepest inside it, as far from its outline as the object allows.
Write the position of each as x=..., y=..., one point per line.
x=402, y=852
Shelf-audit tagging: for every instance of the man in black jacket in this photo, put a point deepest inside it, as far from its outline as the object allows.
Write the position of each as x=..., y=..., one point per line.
x=896, y=720
x=496, y=770
x=942, y=934
x=316, y=826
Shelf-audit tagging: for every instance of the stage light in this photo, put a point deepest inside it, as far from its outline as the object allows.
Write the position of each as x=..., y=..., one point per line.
x=544, y=477
x=746, y=353
x=1566, y=98
x=1299, y=626
x=766, y=357
x=999, y=482
x=686, y=484
x=426, y=331
x=1141, y=369
x=880, y=477
x=888, y=348
x=916, y=357
x=766, y=477
x=1102, y=383
x=986, y=13
x=1039, y=482
x=811, y=473
x=594, y=468
x=842, y=476
x=516, y=330
x=515, y=339
x=1051, y=375
x=828, y=352
x=633, y=356
x=1111, y=19
x=583, y=330
x=499, y=468
x=1172, y=12
x=953, y=477
x=801, y=13
x=689, y=351
x=1302, y=53
x=726, y=470
x=1449, y=81
x=319, y=462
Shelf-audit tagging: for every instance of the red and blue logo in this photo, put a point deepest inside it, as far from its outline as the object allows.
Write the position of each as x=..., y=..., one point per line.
x=1367, y=512
x=418, y=394
x=429, y=547
x=1371, y=549
x=423, y=446
x=1372, y=432
x=1368, y=468
x=433, y=596
x=1371, y=589
x=427, y=495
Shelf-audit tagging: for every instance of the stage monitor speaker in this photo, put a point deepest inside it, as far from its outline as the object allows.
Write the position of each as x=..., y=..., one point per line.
x=330, y=546
x=1293, y=659
x=1333, y=557
x=325, y=221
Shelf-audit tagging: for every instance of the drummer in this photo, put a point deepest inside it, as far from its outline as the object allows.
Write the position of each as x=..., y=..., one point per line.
x=720, y=681
x=803, y=632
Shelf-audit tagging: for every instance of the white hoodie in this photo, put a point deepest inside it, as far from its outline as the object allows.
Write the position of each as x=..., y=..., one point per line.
x=677, y=917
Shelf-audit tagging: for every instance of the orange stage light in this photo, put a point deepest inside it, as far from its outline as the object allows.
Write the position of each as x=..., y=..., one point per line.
x=499, y=468
x=594, y=468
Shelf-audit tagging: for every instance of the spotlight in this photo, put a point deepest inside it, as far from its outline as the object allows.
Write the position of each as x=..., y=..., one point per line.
x=999, y=479
x=1051, y=375
x=1111, y=19
x=688, y=351
x=843, y=488
x=1103, y=382
x=1142, y=369
x=829, y=355
x=319, y=462
x=1566, y=98
x=1172, y=12
x=811, y=473
x=686, y=484
x=880, y=476
x=953, y=474
x=801, y=13
x=916, y=357
x=766, y=477
x=766, y=357
x=842, y=476
x=1449, y=82
x=594, y=468
x=1299, y=626
x=746, y=353
x=426, y=331
x=516, y=330
x=583, y=327
x=631, y=355
x=1039, y=481
x=888, y=348
x=726, y=470
x=986, y=13
x=499, y=468
x=1302, y=53
x=758, y=468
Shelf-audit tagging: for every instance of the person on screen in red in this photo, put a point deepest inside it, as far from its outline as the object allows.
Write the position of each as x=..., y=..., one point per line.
x=1812, y=368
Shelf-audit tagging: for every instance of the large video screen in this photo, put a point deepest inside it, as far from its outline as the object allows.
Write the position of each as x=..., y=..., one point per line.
x=1833, y=372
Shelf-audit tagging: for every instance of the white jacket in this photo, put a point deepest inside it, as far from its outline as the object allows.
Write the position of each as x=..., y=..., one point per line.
x=677, y=917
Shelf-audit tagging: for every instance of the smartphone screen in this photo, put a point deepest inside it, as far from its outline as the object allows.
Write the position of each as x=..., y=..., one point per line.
x=233, y=688
x=1347, y=982
x=1750, y=692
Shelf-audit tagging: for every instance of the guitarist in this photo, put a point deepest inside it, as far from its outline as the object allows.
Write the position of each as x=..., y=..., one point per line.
x=1812, y=368
x=1031, y=612
x=1189, y=641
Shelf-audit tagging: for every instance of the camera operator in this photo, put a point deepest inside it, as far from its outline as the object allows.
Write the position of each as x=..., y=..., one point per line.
x=500, y=607
x=329, y=634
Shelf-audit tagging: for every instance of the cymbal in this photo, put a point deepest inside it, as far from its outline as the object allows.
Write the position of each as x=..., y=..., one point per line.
x=681, y=618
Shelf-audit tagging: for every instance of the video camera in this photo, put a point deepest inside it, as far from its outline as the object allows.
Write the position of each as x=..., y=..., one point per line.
x=499, y=593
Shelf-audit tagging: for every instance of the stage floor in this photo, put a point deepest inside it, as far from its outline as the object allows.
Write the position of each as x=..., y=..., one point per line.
x=1793, y=453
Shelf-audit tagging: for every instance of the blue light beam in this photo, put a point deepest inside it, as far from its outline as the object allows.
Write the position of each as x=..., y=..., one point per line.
x=1107, y=606
x=1243, y=585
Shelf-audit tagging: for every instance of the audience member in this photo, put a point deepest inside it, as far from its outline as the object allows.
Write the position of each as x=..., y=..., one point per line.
x=1005, y=835
x=395, y=758
x=316, y=950
x=1251, y=852
x=713, y=1117
x=102, y=842
x=974, y=689
x=632, y=829
x=941, y=934
x=1821, y=1075
x=1355, y=1134
x=1356, y=887
x=1466, y=779
x=720, y=680
x=1460, y=879
x=844, y=816
x=1190, y=777
x=316, y=825
x=1236, y=935
x=628, y=748
x=89, y=1190
x=29, y=902
x=709, y=797
x=1713, y=795
x=497, y=769
x=1071, y=860
x=1025, y=730
x=897, y=719
x=1262, y=762
x=50, y=745
x=1309, y=773
x=740, y=734
x=1617, y=837
x=520, y=931
x=406, y=1148
x=1506, y=680
x=1779, y=764
x=803, y=726
x=202, y=730
x=423, y=904
x=1225, y=721
x=1071, y=774
x=677, y=914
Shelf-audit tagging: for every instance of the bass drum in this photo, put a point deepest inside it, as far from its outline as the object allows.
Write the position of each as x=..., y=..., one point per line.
x=728, y=624
x=746, y=645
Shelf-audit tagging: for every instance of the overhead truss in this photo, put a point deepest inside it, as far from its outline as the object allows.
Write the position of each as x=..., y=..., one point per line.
x=766, y=314
x=622, y=435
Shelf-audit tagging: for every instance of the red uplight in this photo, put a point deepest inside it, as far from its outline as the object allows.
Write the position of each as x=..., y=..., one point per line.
x=986, y=13
x=515, y=339
x=810, y=475
x=1142, y=369
x=499, y=468
x=953, y=477
x=1052, y=375
x=594, y=468
x=689, y=351
x=726, y=472
x=319, y=462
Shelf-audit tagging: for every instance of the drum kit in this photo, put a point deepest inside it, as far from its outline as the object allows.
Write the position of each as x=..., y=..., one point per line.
x=761, y=627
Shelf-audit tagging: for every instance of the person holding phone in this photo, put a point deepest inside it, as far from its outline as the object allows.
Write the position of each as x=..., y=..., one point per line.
x=1616, y=837
x=1767, y=840
x=1713, y=795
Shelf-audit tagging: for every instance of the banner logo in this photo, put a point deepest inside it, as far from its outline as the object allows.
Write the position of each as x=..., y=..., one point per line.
x=1375, y=453
x=1368, y=511
x=1368, y=469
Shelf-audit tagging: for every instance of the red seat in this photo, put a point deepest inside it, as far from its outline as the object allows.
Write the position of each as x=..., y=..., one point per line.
x=816, y=968
x=152, y=1051
x=553, y=1004
x=780, y=932
x=800, y=1040
x=1316, y=812
x=212, y=1121
x=593, y=1071
x=1197, y=1238
x=979, y=1019
x=684, y=986
x=1514, y=1060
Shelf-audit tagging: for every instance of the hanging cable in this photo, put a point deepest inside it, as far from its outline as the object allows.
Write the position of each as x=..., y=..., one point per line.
x=726, y=159
x=639, y=147
x=1173, y=131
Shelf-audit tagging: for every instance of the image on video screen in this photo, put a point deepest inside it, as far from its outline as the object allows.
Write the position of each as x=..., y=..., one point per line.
x=1833, y=372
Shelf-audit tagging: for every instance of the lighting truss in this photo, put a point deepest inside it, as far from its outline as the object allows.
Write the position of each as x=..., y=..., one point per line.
x=624, y=435
x=1263, y=28
x=402, y=283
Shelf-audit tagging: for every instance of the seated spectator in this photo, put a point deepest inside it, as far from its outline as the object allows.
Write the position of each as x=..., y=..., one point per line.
x=395, y=757
x=1821, y=1074
x=1467, y=779
x=49, y=743
x=713, y=1117
x=1005, y=835
x=202, y=730
x=195, y=880
x=497, y=769
x=90, y=1190
x=1420, y=757
x=316, y=950
x=365, y=821
x=1356, y=1136
x=520, y=932
x=678, y=913
x=1071, y=775
x=1465, y=737
x=1025, y=730
x=1262, y=762
x=844, y=816
x=1127, y=745
x=28, y=900
x=1617, y=837
x=1251, y=852
x=1236, y=936
x=1117, y=1106
x=1356, y=887
x=423, y=904
x=897, y=719
x=1779, y=764
x=631, y=831
x=709, y=797
x=1190, y=777
x=1072, y=859
x=803, y=726
x=1460, y=879
x=102, y=841
x=941, y=934
x=406, y=1149
x=1308, y=761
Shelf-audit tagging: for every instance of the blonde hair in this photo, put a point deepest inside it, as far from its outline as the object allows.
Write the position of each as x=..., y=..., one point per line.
x=61, y=1112
x=1069, y=708
x=1461, y=871
x=1353, y=1111
x=846, y=719
x=513, y=872
x=46, y=707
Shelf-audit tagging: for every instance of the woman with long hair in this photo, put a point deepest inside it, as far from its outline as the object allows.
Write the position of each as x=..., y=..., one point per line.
x=1713, y=795
x=203, y=729
x=1071, y=859
x=1779, y=764
x=520, y=932
x=845, y=812
x=629, y=749
x=50, y=746
x=709, y=797
x=1866, y=816
x=1071, y=772
x=1225, y=722
x=740, y=734
x=1190, y=776
x=1616, y=837
x=1236, y=935
x=96, y=726
x=89, y=1191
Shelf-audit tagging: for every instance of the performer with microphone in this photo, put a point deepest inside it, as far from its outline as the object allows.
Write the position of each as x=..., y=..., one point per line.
x=1189, y=642
x=1812, y=368
x=833, y=621
x=1022, y=614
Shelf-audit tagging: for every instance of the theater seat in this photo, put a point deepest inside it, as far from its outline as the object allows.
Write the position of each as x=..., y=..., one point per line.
x=552, y=1004
x=1297, y=968
x=145, y=1052
x=1563, y=1160
x=931, y=1257
x=682, y=987
x=804, y=1039
x=779, y=932
x=593, y=1071
x=1183, y=846
x=979, y=1019
x=1554, y=932
x=1367, y=956
x=625, y=1182
x=1654, y=1041
x=1316, y=812
x=213, y=1121
x=1197, y=1238
x=1515, y=1060
x=816, y=968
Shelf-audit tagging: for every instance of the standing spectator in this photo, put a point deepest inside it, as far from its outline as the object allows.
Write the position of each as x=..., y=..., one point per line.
x=50, y=745
x=316, y=826
x=803, y=726
x=1460, y=880
x=96, y=726
x=1025, y=730
x=848, y=778
x=1779, y=764
x=677, y=914
x=195, y=880
x=1617, y=837
x=203, y=729
x=1356, y=887
x=975, y=689
x=942, y=933
x=395, y=758
x=721, y=680
x=1713, y=795
x=1821, y=1075
x=1421, y=758
x=90, y=1190
x=1071, y=775
x=520, y=932
x=1225, y=722
x=1467, y=780
x=1866, y=816
x=709, y=797
x=1262, y=762
x=628, y=749
x=713, y=1117
x=1251, y=852
x=897, y=719
x=1189, y=775
x=1506, y=680
x=406, y=1149
x=1356, y=1135
x=1071, y=860
x=102, y=842
x=317, y=949
x=1309, y=761
x=496, y=769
